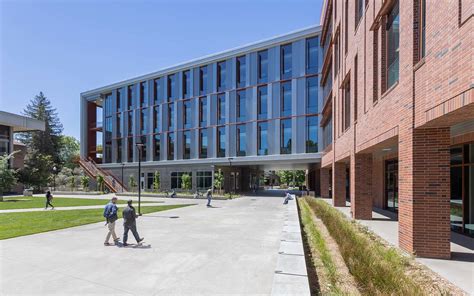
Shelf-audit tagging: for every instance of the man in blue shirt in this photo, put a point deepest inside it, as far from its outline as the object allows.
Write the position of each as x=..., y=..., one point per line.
x=110, y=214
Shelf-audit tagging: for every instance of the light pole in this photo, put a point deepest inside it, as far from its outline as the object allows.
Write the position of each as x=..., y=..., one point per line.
x=54, y=177
x=230, y=174
x=122, y=174
x=139, y=147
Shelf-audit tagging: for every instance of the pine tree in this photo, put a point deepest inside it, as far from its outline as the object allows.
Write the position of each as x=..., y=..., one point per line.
x=47, y=142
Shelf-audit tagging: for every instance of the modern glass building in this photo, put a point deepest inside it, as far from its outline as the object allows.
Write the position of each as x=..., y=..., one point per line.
x=244, y=110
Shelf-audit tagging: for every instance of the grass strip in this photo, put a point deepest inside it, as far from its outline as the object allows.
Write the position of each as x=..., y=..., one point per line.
x=26, y=223
x=322, y=259
x=11, y=203
x=376, y=268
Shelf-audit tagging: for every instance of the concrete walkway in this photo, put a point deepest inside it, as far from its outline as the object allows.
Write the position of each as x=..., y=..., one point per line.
x=459, y=270
x=232, y=248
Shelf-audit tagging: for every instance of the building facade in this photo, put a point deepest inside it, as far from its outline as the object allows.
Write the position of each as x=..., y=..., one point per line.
x=398, y=115
x=240, y=111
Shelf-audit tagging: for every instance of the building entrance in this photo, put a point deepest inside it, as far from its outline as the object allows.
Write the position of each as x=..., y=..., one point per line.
x=391, y=184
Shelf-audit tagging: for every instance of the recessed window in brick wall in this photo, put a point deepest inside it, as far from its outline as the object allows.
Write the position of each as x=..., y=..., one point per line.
x=393, y=45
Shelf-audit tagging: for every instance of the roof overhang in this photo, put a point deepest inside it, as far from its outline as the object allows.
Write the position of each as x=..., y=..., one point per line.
x=21, y=123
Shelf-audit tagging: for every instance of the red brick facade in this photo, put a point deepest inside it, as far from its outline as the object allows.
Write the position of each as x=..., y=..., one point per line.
x=409, y=121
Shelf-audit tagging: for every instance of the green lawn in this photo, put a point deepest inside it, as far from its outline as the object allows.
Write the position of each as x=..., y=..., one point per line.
x=19, y=224
x=11, y=203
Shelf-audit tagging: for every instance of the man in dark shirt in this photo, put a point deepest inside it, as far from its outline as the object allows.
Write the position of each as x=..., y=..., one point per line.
x=130, y=223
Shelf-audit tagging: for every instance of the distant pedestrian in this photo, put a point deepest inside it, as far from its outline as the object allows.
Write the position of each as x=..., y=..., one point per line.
x=49, y=198
x=130, y=223
x=287, y=198
x=110, y=214
x=209, y=197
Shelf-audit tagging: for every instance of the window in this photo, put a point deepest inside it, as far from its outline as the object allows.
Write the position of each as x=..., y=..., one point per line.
x=286, y=57
x=171, y=146
x=186, y=84
x=312, y=45
x=158, y=91
x=241, y=140
x=156, y=147
x=347, y=106
x=187, y=114
x=356, y=69
x=118, y=124
x=143, y=94
x=336, y=53
x=312, y=95
x=171, y=87
x=221, y=141
x=241, y=71
x=346, y=27
x=393, y=37
x=130, y=123
x=108, y=133
x=359, y=11
x=311, y=134
x=419, y=35
x=203, y=143
x=156, y=119
x=176, y=179
x=142, y=151
x=221, y=76
x=203, y=80
x=262, y=104
x=170, y=116
x=375, y=66
x=143, y=121
x=285, y=136
x=327, y=132
x=119, y=151
x=220, y=108
x=285, y=100
x=4, y=140
x=186, y=145
x=131, y=94
x=241, y=112
x=204, y=180
x=119, y=99
x=262, y=144
x=130, y=150
x=203, y=111
x=108, y=105
x=262, y=66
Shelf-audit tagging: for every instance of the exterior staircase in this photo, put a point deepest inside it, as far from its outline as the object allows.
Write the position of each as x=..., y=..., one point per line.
x=110, y=181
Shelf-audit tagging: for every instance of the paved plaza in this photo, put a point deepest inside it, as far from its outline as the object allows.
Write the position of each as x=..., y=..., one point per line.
x=233, y=248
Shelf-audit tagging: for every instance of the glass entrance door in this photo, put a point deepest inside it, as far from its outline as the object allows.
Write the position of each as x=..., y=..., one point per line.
x=391, y=184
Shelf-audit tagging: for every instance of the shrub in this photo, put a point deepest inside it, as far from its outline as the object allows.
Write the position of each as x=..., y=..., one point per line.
x=376, y=268
x=186, y=182
x=156, y=181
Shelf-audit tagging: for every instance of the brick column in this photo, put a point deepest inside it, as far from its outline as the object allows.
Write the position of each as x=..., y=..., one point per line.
x=324, y=177
x=424, y=192
x=361, y=196
x=339, y=184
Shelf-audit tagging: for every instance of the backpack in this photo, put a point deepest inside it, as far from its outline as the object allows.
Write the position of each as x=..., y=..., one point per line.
x=107, y=211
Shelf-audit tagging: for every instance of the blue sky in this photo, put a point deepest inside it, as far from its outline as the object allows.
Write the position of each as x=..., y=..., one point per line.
x=65, y=47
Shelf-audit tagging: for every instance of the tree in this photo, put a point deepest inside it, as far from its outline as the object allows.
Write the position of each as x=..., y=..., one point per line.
x=156, y=181
x=69, y=151
x=47, y=142
x=186, y=181
x=131, y=182
x=100, y=183
x=7, y=175
x=85, y=183
x=37, y=172
x=286, y=177
x=299, y=177
x=219, y=180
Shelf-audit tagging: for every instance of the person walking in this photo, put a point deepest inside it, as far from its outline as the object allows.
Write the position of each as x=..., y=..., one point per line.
x=209, y=197
x=49, y=198
x=110, y=214
x=130, y=223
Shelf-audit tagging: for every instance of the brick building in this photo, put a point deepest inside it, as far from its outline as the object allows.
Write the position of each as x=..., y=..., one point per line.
x=398, y=115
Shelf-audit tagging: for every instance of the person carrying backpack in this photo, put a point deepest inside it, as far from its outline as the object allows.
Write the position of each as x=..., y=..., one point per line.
x=110, y=215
